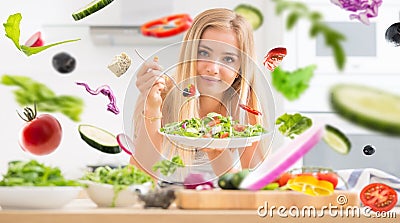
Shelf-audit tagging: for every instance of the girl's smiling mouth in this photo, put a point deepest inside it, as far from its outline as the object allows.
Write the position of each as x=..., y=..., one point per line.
x=209, y=78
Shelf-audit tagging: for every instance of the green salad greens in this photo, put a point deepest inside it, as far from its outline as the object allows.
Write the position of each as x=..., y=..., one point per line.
x=120, y=178
x=33, y=173
x=167, y=167
x=291, y=125
x=213, y=125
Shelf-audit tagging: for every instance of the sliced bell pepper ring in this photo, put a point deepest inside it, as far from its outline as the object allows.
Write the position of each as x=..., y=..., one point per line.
x=159, y=27
x=248, y=109
x=310, y=185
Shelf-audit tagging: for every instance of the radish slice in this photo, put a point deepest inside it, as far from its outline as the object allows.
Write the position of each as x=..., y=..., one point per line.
x=283, y=159
x=126, y=144
x=35, y=40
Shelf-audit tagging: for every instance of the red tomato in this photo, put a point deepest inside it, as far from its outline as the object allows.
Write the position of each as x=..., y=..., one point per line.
x=224, y=135
x=329, y=176
x=284, y=178
x=379, y=197
x=41, y=135
x=214, y=122
x=239, y=128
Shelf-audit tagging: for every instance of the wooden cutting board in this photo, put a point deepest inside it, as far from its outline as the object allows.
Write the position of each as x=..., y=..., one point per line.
x=242, y=199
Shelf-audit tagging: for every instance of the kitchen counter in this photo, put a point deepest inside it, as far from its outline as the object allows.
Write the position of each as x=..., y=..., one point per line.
x=85, y=211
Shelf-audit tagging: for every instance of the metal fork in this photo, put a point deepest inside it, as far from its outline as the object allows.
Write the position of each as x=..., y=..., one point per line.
x=185, y=93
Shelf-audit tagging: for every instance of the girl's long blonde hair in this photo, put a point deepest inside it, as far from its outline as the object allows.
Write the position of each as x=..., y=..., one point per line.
x=178, y=108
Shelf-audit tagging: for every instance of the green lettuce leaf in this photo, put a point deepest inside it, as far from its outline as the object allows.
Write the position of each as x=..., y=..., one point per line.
x=292, y=84
x=291, y=125
x=13, y=32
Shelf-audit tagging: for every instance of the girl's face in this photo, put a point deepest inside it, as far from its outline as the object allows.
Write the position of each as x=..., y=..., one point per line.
x=218, y=61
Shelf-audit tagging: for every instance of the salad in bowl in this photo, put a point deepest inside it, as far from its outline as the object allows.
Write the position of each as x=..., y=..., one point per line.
x=213, y=131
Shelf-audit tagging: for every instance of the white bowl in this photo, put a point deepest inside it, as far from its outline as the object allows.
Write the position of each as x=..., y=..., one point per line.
x=31, y=197
x=103, y=194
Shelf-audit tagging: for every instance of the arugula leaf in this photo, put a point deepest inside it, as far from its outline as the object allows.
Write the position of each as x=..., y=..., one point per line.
x=13, y=32
x=167, y=167
x=30, y=92
x=298, y=10
x=291, y=125
x=292, y=84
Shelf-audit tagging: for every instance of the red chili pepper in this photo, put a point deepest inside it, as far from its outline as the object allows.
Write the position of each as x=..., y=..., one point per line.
x=247, y=108
x=159, y=27
x=274, y=57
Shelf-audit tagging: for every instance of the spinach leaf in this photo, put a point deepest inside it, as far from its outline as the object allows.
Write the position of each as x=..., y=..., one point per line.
x=291, y=125
x=12, y=28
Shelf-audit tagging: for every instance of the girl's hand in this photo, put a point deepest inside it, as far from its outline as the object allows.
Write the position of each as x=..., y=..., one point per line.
x=151, y=83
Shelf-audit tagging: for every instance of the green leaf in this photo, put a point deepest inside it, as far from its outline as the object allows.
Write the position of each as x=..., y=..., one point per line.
x=291, y=125
x=292, y=84
x=12, y=28
x=292, y=20
x=33, y=50
x=30, y=92
x=340, y=56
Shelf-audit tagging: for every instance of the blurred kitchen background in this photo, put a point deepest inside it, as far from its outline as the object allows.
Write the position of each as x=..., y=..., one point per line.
x=371, y=61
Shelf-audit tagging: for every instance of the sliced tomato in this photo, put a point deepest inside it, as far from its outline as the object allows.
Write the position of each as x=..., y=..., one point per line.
x=379, y=197
x=215, y=121
x=224, y=135
x=329, y=176
x=239, y=128
x=248, y=109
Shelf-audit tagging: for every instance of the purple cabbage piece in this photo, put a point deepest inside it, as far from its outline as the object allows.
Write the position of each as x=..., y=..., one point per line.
x=105, y=90
x=367, y=8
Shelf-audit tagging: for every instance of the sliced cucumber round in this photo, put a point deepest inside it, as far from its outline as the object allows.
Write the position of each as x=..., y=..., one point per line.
x=90, y=8
x=99, y=139
x=367, y=106
x=251, y=13
x=336, y=139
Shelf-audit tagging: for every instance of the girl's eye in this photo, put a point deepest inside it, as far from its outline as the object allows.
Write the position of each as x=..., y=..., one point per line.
x=229, y=59
x=203, y=53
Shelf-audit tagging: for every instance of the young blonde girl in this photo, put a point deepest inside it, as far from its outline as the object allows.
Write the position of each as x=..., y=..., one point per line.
x=223, y=84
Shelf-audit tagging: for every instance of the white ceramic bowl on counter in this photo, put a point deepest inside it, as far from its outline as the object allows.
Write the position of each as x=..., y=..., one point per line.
x=103, y=194
x=31, y=197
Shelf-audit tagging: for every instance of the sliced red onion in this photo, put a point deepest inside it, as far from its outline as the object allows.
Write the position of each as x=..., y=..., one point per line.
x=367, y=8
x=196, y=181
x=105, y=90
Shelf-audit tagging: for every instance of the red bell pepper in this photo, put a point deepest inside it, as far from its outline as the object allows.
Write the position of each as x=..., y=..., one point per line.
x=159, y=27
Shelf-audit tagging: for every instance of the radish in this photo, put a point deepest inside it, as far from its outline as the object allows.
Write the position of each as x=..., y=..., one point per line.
x=35, y=40
x=283, y=159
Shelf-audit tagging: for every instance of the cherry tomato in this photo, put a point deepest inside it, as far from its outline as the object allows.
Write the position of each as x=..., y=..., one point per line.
x=274, y=57
x=224, y=135
x=215, y=121
x=330, y=177
x=41, y=135
x=284, y=178
x=248, y=109
x=379, y=197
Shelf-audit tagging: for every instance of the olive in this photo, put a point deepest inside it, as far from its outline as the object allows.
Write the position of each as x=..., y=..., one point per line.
x=368, y=150
x=392, y=34
x=63, y=62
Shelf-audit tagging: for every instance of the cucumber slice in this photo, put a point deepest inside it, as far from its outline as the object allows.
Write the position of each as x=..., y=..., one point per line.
x=90, y=8
x=99, y=139
x=251, y=13
x=336, y=140
x=367, y=106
